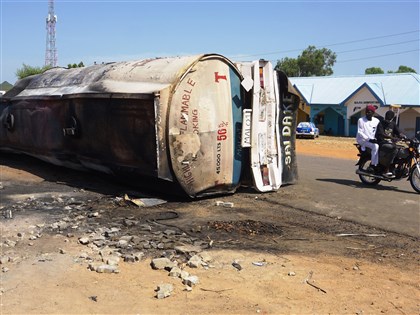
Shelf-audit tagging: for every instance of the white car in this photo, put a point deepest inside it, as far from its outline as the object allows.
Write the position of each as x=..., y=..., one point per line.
x=307, y=130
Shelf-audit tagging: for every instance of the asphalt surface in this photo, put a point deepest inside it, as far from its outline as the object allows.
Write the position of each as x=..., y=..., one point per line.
x=332, y=188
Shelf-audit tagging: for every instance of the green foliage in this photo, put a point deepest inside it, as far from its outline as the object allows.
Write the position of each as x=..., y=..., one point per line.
x=74, y=65
x=404, y=69
x=312, y=62
x=374, y=70
x=289, y=66
x=27, y=70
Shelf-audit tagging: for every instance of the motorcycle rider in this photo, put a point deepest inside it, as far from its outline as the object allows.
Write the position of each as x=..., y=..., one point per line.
x=387, y=134
x=366, y=130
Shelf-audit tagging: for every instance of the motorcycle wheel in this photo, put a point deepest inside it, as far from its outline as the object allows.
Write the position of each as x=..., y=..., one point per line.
x=415, y=179
x=368, y=180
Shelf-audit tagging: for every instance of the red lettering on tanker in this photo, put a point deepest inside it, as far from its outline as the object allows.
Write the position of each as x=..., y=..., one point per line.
x=185, y=106
x=191, y=82
x=222, y=131
x=218, y=77
x=184, y=117
x=221, y=136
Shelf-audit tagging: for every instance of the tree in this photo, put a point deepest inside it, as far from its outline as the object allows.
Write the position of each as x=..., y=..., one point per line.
x=404, y=69
x=289, y=66
x=374, y=70
x=312, y=62
x=74, y=65
x=27, y=70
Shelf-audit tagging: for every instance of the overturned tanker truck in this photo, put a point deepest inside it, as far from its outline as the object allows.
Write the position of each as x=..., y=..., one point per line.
x=196, y=125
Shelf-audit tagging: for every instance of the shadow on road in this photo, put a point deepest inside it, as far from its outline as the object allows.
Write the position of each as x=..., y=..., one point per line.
x=357, y=184
x=53, y=175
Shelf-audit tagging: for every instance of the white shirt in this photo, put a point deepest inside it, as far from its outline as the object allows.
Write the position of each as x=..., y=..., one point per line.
x=366, y=129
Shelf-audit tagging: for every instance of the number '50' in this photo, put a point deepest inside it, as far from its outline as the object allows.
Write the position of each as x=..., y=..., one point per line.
x=221, y=134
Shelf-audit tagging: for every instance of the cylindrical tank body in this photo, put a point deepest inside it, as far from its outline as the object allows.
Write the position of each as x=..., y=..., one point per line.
x=174, y=119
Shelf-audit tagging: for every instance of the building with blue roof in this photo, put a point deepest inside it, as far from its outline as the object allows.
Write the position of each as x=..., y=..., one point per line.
x=335, y=103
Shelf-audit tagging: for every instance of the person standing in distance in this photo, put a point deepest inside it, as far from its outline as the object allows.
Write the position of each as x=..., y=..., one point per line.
x=366, y=129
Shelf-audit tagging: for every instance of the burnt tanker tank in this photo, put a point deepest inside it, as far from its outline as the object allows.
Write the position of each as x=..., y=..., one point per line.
x=177, y=121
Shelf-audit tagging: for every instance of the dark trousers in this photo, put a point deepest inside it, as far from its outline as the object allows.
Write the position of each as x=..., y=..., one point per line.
x=387, y=153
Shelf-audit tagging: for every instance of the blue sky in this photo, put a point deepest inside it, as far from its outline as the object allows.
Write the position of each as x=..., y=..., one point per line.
x=363, y=33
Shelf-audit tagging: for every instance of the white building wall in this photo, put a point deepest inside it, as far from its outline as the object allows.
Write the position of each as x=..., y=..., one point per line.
x=359, y=101
x=407, y=121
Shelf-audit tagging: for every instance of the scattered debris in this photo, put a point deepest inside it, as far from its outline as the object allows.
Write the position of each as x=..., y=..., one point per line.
x=224, y=204
x=190, y=281
x=249, y=227
x=217, y=291
x=84, y=240
x=237, y=266
x=8, y=214
x=164, y=290
x=144, y=202
x=103, y=268
x=362, y=234
x=397, y=307
x=94, y=298
x=308, y=278
x=162, y=263
x=195, y=261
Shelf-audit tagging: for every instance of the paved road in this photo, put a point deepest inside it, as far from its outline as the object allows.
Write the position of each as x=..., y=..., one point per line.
x=332, y=188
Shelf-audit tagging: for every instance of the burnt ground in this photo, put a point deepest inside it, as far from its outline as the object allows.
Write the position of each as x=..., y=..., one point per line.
x=250, y=224
x=52, y=208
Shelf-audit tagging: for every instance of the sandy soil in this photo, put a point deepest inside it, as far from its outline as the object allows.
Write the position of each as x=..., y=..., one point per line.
x=336, y=147
x=287, y=267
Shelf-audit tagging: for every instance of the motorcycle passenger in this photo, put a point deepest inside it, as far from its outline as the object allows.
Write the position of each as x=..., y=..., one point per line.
x=387, y=134
x=366, y=130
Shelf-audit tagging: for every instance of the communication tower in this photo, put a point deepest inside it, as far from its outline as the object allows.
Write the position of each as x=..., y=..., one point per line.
x=51, y=51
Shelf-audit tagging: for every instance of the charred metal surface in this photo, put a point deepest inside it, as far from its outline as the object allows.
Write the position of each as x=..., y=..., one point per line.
x=121, y=118
x=176, y=120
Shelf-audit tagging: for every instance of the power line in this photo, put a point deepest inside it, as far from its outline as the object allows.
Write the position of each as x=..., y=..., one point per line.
x=372, y=47
x=329, y=45
x=371, y=57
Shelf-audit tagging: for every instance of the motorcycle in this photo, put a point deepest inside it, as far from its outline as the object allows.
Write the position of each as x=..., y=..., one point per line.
x=406, y=164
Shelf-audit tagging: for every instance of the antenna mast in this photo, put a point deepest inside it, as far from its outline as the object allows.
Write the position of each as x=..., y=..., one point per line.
x=51, y=51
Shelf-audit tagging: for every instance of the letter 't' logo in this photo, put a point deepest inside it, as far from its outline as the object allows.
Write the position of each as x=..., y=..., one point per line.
x=218, y=77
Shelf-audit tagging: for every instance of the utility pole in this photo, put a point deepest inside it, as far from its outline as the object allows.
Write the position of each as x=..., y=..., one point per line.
x=51, y=51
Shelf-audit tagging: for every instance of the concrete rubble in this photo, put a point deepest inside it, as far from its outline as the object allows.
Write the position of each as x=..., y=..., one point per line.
x=107, y=244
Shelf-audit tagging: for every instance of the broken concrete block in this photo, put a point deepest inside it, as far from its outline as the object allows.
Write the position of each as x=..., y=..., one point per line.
x=175, y=272
x=194, y=262
x=107, y=269
x=162, y=263
x=164, y=290
x=84, y=240
x=190, y=281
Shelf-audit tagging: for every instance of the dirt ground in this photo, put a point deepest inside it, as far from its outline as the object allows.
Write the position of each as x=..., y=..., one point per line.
x=257, y=257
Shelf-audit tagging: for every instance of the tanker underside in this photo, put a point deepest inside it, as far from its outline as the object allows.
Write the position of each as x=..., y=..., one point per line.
x=110, y=134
